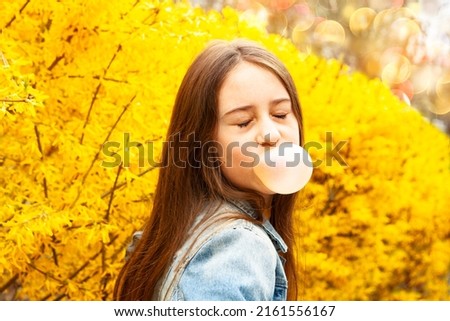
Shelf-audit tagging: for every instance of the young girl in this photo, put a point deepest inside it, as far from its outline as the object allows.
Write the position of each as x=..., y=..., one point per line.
x=215, y=231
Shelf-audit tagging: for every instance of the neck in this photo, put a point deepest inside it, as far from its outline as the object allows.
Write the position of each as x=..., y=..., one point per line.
x=266, y=214
x=268, y=206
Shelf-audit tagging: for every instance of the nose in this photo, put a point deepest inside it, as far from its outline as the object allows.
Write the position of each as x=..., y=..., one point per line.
x=268, y=133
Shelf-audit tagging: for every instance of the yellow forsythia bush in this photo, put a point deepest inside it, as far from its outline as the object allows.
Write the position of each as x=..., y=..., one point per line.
x=17, y=95
x=373, y=224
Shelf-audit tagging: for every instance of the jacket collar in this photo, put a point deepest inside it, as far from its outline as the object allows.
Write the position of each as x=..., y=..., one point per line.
x=276, y=238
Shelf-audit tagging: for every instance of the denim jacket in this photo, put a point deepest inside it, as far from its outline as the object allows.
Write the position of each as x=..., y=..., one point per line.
x=229, y=260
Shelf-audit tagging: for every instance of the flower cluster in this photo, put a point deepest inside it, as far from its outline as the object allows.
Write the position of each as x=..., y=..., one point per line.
x=17, y=94
x=376, y=227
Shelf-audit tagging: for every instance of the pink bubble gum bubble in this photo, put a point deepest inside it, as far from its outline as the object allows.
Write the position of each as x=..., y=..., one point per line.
x=284, y=169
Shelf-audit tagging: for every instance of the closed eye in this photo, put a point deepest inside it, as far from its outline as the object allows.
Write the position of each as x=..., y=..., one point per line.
x=280, y=116
x=244, y=124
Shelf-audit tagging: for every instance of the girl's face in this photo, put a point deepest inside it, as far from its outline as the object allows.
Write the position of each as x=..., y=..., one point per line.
x=255, y=112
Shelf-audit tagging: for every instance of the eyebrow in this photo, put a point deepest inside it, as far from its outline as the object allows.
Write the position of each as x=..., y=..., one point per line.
x=246, y=107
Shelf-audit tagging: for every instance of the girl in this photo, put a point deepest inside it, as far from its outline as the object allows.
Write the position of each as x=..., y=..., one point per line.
x=215, y=231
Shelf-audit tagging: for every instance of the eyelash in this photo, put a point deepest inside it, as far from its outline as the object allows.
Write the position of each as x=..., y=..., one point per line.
x=245, y=124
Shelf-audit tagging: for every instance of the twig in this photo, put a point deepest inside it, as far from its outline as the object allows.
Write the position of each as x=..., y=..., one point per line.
x=124, y=183
x=332, y=192
x=92, y=258
x=46, y=274
x=81, y=268
x=106, y=218
x=55, y=255
x=100, y=148
x=94, y=98
x=120, y=81
x=44, y=183
x=9, y=282
x=14, y=18
x=62, y=295
x=55, y=62
x=129, y=10
x=107, y=137
x=104, y=280
x=106, y=277
x=13, y=100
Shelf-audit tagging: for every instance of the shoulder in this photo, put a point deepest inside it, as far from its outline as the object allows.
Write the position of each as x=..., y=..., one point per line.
x=243, y=234
x=237, y=262
x=237, y=239
x=240, y=228
x=231, y=227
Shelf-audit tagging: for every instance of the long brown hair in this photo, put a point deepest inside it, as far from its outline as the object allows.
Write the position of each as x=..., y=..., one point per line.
x=188, y=181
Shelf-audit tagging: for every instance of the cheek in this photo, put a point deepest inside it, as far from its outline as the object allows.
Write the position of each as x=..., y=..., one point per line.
x=294, y=132
x=238, y=175
x=238, y=155
x=296, y=138
x=237, y=163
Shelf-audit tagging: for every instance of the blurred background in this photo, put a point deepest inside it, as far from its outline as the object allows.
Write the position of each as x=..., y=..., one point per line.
x=406, y=43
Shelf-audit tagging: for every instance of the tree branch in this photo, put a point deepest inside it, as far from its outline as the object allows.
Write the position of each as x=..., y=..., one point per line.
x=106, y=218
x=46, y=274
x=94, y=98
x=83, y=180
x=107, y=277
x=55, y=62
x=76, y=272
x=9, y=282
x=14, y=18
x=124, y=183
x=107, y=137
x=44, y=182
x=92, y=258
x=13, y=100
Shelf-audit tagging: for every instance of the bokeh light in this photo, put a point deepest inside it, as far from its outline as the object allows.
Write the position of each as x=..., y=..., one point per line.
x=401, y=95
x=280, y=5
x=397, y=71
x=330, y=31
x=397, y=3
x=405, y=28
x=443, y=94
x=390, y=54
x=406, y=87
x=380, y=19
x=361, y=19
x=256, y=12
x=299, y=36
x=347, y=12
x=305, y=18
x=378, y=5
x=278, y=23
x=423, y=78
x=372, y=63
